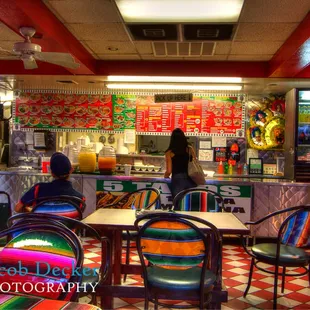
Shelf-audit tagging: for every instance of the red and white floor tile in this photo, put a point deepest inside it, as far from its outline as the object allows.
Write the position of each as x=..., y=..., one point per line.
x=235, y=274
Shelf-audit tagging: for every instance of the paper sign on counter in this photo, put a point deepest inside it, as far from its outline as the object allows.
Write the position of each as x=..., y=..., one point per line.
x=219, y=142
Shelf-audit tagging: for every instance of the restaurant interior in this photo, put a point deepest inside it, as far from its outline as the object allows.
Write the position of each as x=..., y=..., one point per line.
x=105, y=82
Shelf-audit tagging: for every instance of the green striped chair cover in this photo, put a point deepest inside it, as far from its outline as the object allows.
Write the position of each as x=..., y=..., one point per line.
x=200, y=200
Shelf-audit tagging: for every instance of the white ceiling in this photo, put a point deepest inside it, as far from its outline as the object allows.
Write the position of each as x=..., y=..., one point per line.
x=263, y=27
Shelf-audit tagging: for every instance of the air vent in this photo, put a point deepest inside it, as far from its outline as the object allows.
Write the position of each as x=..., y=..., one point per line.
x=66, y=82
x=185, y=49
x=154, y=32
x=208, y=32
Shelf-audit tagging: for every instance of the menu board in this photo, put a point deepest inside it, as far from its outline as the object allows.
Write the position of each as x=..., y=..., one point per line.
x=124, y=112
x=64, y=111
x=220, y=115
x=142, y=112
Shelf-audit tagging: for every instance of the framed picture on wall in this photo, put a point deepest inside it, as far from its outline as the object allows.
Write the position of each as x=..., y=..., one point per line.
x=256, y=166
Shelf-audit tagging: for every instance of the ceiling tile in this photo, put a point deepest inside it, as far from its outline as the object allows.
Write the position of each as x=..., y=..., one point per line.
x=255, y=48
x=274, y=11
x=264, y=31
x=144, y=47
x=250, y=57
x=94, y=32
x=85, y=11
x=222, y=48
x=120, y=57
x=101, y=47
x=7, y=34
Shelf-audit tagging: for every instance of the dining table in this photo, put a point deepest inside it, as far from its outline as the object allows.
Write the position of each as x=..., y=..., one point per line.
x=23, y=302
x=112, y=222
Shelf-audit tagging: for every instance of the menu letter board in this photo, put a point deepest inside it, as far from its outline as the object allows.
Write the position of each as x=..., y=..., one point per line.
x=64, y=111
x=124, y=112
x=219, y=115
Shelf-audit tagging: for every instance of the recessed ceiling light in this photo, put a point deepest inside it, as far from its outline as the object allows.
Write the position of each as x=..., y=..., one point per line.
x=172, y=86
x=180, y=79
x=112, y=49
x=206, y=11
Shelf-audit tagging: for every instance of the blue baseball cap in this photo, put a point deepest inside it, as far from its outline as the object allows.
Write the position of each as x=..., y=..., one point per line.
x=60, y=165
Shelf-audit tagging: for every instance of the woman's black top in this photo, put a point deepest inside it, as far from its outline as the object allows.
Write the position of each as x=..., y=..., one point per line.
x=180, y=163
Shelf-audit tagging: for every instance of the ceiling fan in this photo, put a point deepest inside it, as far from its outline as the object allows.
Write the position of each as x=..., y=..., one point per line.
x=29, y=52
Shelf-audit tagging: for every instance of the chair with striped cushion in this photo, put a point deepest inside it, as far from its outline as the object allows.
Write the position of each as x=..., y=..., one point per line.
x=89, y=280
x=178, y=255
x=67, y=206
x=198, y=199
x=287, y=250
x=42, y=259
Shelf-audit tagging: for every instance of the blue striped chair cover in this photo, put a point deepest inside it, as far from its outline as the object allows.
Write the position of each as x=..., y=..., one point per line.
x=297, y=232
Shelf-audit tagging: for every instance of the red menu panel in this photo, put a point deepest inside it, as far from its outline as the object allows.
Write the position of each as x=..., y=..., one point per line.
x=167, y=117
x=193, y=116
x=155, y=118
x=179, y=115
x=217, y=115
x=64, y=111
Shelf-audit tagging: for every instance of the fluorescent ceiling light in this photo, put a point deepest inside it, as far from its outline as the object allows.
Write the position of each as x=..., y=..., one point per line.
x=172, y=86
x=180, y=79
x=159, y=11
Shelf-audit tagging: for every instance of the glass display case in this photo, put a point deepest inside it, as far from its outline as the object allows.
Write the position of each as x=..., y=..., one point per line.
x=297, y=135
x=303, y=126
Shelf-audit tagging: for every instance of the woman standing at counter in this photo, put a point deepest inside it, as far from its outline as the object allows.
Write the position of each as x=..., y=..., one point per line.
x=177, y=157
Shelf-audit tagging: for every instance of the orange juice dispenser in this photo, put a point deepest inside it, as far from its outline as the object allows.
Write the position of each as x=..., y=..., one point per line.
x=107, y=160
x=87, y=159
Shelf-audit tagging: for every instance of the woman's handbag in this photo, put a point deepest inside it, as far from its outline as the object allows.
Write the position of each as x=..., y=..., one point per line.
x=195, y=171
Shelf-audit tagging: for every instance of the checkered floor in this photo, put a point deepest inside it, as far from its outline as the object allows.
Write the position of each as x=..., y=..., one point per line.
x=235, y=273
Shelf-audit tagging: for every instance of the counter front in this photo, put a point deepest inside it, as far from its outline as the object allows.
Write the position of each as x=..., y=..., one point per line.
x=247, y=198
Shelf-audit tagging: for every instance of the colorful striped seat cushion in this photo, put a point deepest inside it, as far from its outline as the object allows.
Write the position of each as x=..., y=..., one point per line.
x=32, y=257
x=199, y=201
x=297, y=232
x=172, y=245
x=59, y=208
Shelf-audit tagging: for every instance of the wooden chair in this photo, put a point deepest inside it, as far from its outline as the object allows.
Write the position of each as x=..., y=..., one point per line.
x=52, y=219
x=177, y=252
x=198, y=199
x=55, y=246
x=145, y=198
x=286, y=251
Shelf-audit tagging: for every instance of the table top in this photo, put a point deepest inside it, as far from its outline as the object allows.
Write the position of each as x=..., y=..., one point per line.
x=8, y=301
x=116, y=219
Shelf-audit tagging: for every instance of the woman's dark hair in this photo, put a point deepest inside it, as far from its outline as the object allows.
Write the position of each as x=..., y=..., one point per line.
x=178, y=142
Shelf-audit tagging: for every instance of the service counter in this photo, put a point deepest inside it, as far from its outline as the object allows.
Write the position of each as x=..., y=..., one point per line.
x=247, y=198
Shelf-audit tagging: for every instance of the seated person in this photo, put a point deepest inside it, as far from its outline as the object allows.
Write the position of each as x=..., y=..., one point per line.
x=61, y=169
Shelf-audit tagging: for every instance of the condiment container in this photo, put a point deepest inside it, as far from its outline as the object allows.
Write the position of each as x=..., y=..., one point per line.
x=87, y=160
x=107, y=160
